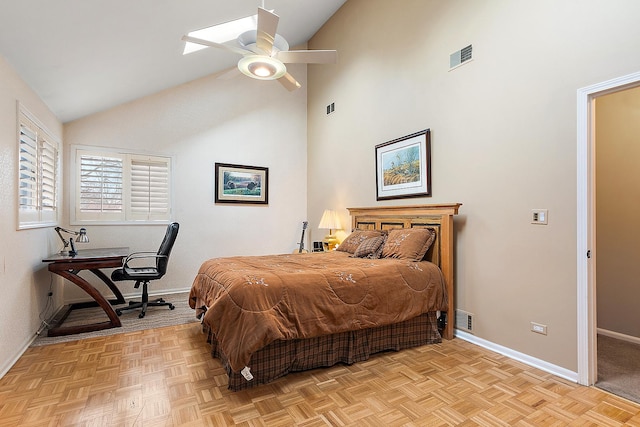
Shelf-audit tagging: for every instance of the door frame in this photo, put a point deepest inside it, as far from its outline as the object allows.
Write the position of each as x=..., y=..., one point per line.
x=586, y=215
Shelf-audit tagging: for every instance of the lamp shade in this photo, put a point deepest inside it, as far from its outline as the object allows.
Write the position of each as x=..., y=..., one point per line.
x=330, y=220
x=82, y=236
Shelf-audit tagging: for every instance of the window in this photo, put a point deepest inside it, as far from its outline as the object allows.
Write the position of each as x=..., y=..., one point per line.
x=113, y=186
x=38, y=173
x=149, y=195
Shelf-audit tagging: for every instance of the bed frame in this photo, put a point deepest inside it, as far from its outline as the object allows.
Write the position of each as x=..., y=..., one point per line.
x=282, y=357
x=439, y=217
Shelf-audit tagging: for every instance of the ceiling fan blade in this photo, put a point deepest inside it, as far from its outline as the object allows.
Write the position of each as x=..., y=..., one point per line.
x=289, y=82
x=266, y=32
x=214, y=44
x=308, y=56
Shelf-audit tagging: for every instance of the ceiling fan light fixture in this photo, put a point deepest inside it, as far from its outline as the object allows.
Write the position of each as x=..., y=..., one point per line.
x=261, y=67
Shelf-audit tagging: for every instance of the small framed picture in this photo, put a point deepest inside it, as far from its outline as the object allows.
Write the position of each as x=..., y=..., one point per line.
x=241, y=184
x=403, y=167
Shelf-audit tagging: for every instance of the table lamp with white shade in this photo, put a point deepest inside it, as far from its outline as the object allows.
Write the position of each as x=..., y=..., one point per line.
x=330, y=221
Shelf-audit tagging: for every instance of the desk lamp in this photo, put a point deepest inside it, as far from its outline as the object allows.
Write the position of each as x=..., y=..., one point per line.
x=82, y=238
x=331, y=221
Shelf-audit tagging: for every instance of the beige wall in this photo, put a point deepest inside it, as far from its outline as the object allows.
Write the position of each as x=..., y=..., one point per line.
x=618, y=210
x=503, y=138
x=239, y=121
x=24, y=279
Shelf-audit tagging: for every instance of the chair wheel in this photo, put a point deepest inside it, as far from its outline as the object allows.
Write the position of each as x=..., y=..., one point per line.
x=141, y=315
x=119, y=312
x=171, y=307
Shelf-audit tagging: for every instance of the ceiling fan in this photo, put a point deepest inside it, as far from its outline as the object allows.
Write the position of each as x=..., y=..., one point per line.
x=264, y=52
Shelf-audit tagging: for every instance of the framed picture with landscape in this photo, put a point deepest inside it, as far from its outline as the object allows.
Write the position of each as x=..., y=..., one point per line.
x=241, y=184
x=403, y=167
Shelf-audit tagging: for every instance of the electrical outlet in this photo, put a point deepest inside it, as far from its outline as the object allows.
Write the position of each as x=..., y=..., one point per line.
x=540, y=216
x=538, y=328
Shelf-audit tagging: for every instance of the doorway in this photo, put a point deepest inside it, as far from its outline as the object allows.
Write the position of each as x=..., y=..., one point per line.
x=586, y=211
x=617, y=195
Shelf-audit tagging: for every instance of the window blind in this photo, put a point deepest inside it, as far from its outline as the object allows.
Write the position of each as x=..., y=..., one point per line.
x=149, y=188
x=38, y=173
x=100, y=184
x=121, y=187
x=28, y=179
x=49, y=172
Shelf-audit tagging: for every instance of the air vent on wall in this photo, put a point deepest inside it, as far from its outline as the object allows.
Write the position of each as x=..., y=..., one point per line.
x=460, y=57
x=331, y=108
x=464, y=321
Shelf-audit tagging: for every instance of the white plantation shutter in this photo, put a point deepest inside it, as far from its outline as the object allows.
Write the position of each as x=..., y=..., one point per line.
x=49, y=173
x=100, y=186
x=38, y=174
x=149, y=188
x=28, y=178
x=121, y=187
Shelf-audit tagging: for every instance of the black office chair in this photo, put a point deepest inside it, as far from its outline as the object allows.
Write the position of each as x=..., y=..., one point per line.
x=145, y=274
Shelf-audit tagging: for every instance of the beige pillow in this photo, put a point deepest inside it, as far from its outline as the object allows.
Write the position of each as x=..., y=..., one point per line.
x=369, y=248
x=408, y=243
x=353, y=240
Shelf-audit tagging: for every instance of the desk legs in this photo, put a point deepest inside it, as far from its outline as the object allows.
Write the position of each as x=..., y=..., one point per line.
x=72, y=276
x=116, y=292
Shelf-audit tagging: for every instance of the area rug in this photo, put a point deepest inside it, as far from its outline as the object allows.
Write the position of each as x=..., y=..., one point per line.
x=619, y=367
x=156, y=317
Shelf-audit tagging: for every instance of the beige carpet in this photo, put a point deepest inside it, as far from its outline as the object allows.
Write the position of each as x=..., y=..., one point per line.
x=619, y=367
x=156, y=317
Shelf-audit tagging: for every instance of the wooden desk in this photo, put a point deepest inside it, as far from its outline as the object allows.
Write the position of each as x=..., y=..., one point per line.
x=92, y=260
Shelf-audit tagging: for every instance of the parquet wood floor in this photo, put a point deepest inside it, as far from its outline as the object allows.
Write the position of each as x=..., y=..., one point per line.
x=166, y=377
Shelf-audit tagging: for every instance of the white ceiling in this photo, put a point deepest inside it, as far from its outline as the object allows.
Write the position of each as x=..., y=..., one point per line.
x=84, y=56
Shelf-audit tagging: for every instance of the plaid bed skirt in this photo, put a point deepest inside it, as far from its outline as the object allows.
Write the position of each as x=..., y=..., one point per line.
x=281, y=357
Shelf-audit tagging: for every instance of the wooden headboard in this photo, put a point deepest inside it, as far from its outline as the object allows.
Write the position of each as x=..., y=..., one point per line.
x=439, y=217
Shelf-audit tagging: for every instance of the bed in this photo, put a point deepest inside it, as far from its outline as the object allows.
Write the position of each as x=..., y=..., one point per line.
x=388, y=287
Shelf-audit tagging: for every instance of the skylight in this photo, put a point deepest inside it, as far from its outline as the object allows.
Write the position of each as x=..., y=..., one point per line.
x=221, y=33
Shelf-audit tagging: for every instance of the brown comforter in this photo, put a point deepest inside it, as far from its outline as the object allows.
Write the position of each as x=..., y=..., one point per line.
x=253, y=301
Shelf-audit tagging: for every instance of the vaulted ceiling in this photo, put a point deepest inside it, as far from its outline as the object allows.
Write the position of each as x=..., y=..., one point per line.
x=83, y=56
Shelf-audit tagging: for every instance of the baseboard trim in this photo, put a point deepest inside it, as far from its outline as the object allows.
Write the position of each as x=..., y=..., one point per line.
x=619, y=336
x=521, y=357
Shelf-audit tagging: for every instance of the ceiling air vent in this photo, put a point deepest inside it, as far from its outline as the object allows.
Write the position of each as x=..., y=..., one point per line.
x=460, y=57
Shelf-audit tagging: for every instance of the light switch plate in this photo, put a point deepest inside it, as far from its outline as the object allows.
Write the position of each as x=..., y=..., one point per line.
x=540, y=216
